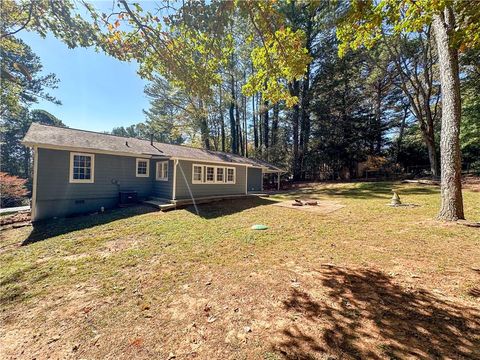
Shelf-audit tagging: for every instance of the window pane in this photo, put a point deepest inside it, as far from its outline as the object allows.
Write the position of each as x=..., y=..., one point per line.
x=142, y=167
x=210, y=173
x=230, y=175
x=165, y=170
x=197, y=173
x=82, y=167
x=220, y=174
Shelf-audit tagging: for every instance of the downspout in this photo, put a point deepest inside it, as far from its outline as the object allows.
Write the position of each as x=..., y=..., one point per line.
x=174, y=191
x=33, y=205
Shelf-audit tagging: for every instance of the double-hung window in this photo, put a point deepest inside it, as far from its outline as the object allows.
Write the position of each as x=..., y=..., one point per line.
x=230, y=176
x=209, y=174
x=162, y=171
x=197, y=177
x=82, y=168
x=143, y=167
x=220, y=175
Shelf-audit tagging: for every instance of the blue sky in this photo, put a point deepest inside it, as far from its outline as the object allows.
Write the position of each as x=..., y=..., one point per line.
x=97, y=91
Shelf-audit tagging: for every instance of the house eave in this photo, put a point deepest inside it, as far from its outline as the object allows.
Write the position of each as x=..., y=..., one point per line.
x=87, y=150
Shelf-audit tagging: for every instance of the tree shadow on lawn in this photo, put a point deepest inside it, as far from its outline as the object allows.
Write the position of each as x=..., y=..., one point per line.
x=227, y=207
x=53, y=227
x=366, y=315
x=371, y=190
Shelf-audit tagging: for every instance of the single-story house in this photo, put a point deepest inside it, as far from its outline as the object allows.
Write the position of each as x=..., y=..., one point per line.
x=78, y=171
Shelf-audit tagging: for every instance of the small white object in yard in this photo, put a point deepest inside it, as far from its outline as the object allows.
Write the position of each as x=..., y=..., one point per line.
x=247, y=329
x=102, y=209
x=259, y=227
x=395, y=199
x=211, y=319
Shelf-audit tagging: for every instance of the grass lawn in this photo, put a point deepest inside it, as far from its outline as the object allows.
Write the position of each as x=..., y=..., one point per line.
x=366, y=281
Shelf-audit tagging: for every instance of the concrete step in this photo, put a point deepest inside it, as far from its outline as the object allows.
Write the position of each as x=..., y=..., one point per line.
x=162, y=205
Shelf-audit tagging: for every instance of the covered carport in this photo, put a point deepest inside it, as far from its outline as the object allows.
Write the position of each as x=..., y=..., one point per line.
x=256, y=175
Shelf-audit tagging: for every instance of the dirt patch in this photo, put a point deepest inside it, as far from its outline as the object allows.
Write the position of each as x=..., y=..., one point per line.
x=323, y=207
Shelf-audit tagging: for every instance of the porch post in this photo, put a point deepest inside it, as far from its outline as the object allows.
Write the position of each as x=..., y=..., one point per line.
x=278, y=177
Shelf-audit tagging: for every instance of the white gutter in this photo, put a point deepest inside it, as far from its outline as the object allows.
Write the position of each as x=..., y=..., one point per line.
x=34, y=185
x=246, y=180
x=174, y=191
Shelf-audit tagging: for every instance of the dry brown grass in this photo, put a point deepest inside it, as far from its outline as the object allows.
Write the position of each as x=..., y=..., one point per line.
x=366, y=281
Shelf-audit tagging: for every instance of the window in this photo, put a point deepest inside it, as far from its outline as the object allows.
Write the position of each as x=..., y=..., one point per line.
x=230, y=176
x=162, y=171
x=206, y=174
x=197, y=174
x=81, y=167
x=220, y=172
x=143, y=167
x=210, y=174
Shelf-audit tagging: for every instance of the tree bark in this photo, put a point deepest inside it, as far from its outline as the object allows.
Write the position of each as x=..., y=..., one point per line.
x=239, y=127
x=401, y=132
x=265, y=125
x=204, y=130
x=275, y=125
x=451, y=185
x=294, y=90
x=233, y=124
x=255, y=129
x=222, y=120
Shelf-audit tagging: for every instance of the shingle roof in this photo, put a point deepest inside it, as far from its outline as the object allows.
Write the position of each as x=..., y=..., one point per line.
x=47, y=135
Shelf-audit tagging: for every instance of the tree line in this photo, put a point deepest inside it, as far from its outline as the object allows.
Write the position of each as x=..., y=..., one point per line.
x=316, y=87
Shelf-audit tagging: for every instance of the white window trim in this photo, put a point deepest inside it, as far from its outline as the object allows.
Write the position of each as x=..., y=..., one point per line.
x=214, y=173
x=161, y=163
x=193, y=174
x=215, y=181
x=234, y=176
x=148, y=167
x=92, y=170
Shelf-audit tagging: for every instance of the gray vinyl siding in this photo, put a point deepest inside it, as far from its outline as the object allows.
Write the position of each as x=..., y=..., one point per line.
x=255, y=178
x=56, y=196
x=163, y=189
x=184, y=181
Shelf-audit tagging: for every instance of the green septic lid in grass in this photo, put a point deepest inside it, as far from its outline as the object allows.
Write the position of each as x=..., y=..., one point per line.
x=259, y=227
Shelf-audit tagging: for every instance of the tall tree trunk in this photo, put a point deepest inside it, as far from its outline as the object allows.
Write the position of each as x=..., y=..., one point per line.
x=239, y=127
x=401, y=132
x=255, y=129
x=429, y=138
x=304, y=123
x=260, y=123
x=378, y=118
x=451, y=170
x=204, y=130
x=294, y=90
x=304, y=101
x=222, y=120
x=276, y=111
x=233, y=124
x=245, y=127
x=265, y=125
